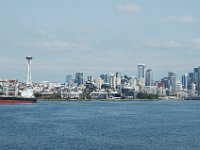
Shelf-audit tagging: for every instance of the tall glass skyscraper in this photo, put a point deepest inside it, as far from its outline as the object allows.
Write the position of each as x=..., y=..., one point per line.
x=79, y=78
x=172, y=82
x=141, y=71
x=185, y=81
x=149, y=78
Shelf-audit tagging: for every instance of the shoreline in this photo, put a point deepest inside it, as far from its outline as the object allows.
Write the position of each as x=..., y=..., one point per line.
x=108, y=99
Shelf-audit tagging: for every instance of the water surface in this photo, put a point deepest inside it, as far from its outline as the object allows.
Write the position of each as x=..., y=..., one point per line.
x=89, y=125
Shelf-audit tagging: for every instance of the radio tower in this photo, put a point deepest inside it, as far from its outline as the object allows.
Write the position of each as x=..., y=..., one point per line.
x=29, y=81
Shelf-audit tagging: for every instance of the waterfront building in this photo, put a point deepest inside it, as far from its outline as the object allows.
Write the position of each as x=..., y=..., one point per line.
x=99, y=95
x=128, y=92
x=149, y=78
x=72, y=93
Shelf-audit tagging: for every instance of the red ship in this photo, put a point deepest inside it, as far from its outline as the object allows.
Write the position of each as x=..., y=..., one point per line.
x=26, y=95
x=14, y=99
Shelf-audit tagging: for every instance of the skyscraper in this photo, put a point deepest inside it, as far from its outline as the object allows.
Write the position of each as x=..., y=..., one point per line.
x=79, y=78
x=149, y=78
x=198, y=79
x=112, y=80
x=141, y=71
x=118, y=79
x=172, y=82
x=185, y=81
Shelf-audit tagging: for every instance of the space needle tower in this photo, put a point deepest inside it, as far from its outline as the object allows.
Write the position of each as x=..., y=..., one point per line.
x=29, y=80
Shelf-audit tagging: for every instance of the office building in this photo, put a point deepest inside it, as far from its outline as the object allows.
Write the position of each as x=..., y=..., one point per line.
x=141, y=71
x=149, y=78
x=172, y=82
x=79, y=78
x=185, y=81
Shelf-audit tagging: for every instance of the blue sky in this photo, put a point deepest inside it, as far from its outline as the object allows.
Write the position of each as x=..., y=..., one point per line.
x=98, y=36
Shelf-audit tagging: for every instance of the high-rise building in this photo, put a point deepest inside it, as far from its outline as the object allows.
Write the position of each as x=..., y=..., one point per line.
x=196, y=70
x=68, y=79
x=104, y=77
x=98, y=82
x=172, y=82
x=112, y=80
x=185, y=81
x=141, y=71
x=118, y=79
x=197, y=73
x=149, y=78
x=79, y=78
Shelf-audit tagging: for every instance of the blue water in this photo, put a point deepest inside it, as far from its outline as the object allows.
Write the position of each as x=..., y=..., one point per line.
x=91, y=125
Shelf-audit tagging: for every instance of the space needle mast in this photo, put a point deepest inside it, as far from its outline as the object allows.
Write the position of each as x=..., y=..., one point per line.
x=29, y=80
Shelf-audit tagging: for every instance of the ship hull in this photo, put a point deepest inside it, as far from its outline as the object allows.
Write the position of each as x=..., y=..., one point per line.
x=17, y=100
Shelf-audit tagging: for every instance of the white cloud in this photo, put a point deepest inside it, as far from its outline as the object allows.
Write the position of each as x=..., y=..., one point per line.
x=159, y=43
x=177, y=19
x=129, y=8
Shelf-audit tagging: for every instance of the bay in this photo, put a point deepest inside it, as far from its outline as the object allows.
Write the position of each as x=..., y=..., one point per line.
x=89, y=125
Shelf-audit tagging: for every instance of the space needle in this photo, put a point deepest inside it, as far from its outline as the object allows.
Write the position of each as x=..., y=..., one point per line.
x=29, y=80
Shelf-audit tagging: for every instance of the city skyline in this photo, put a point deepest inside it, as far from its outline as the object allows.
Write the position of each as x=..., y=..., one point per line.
x=94, y=37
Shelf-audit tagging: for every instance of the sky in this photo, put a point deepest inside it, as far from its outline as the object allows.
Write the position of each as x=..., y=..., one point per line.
x=98, y=36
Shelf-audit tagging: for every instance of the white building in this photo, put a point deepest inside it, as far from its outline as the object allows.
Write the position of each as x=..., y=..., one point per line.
x=98, y=82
